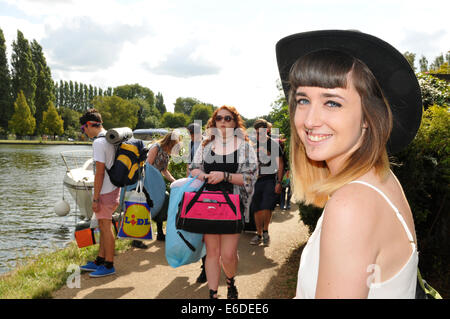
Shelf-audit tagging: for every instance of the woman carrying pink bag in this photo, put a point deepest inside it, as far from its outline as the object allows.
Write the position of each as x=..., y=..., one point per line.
x=229, y=164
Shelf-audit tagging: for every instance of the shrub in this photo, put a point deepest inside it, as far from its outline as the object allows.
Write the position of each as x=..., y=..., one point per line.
x=424, y=172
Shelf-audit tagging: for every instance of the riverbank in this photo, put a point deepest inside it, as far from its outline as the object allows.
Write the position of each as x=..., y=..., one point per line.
x=42, y=142
x=264, y=272
x=40, y=276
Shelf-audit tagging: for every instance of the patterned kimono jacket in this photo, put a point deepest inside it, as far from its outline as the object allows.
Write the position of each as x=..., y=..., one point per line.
x=247, y=166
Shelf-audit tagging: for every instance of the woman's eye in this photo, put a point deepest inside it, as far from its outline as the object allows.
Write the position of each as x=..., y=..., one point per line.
x=302, y=101
x=333, y=104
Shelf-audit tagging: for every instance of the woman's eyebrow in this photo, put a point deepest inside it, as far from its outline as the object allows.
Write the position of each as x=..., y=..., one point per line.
x=332, y=95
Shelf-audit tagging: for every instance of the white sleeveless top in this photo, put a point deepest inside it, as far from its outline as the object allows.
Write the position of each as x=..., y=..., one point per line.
x=401, y=286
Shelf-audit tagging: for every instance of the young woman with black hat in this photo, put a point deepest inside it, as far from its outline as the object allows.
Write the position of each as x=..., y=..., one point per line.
x=353, y=98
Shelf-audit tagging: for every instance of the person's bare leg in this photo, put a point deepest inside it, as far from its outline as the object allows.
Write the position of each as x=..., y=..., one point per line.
x=228, y=252
x=212, y=262
x=107, y=237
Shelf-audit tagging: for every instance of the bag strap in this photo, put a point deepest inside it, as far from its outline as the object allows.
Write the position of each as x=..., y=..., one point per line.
x=200, y=191
x=427, y=288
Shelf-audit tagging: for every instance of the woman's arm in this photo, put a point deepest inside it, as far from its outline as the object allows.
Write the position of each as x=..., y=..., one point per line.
x=249, y=169
x=151, y=156
x=167, y=175
x=348, y=251
x=216, y=177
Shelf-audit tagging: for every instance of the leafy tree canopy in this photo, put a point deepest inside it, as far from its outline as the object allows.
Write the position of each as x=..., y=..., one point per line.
x=22, y=122
x=174, y=120
x=116, y=112
x=52, y=122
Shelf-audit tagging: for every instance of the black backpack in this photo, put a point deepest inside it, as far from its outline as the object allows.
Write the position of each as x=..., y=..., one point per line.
x=129, y=162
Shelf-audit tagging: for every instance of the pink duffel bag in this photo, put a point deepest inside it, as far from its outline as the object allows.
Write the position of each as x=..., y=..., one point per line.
x=210, y=212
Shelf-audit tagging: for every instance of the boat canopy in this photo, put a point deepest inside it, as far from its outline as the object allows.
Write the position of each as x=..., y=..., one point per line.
x=149, y=133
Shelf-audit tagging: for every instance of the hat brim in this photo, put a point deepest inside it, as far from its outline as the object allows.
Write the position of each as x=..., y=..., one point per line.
x=393, y=72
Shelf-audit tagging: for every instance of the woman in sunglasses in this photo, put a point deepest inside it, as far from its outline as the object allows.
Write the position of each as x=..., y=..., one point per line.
x=228, y=162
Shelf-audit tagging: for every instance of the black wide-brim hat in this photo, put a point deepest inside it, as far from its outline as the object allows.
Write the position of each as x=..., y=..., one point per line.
x=392, y=71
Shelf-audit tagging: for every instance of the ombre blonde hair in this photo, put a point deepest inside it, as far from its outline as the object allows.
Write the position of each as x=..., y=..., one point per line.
x=312, y=182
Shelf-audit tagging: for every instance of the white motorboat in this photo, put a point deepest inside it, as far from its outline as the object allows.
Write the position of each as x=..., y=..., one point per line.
x=79, y=180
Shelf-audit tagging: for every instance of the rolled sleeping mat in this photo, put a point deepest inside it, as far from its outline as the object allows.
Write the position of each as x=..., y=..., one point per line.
x=118, y=135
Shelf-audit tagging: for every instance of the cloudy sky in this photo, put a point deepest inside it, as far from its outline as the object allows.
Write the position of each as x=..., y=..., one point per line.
x=220, y=52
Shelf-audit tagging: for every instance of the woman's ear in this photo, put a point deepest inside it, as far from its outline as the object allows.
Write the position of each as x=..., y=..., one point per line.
x=364, y=125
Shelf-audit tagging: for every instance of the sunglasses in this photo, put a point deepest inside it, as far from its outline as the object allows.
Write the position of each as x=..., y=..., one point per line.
x=227, y=118
x=85, y=125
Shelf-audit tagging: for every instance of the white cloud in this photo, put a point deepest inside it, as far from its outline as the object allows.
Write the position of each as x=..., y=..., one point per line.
x=221, y=52
x=185, y=61
x=84, y=45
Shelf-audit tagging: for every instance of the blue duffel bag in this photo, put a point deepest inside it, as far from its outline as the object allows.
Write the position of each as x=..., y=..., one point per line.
x=182, y=247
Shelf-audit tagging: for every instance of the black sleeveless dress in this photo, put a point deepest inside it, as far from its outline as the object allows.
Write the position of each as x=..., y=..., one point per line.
x=224, y=163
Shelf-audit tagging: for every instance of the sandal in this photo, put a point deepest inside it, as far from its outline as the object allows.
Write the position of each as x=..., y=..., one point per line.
x=212, y=294
x=232, y=290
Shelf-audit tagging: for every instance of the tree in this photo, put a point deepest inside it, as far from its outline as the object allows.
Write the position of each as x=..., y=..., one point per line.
x=6, y=101
x=116, y=112
x=23, y=70
x=160, y=103
x=411, y=58
x=185, y=104
x=201, y=112
x=44, y=83
x=22, y=122
x=52, y=123
x=145, y=111
x=70, y=118
x=60, y=102
x=279, y=115
x=444, y=68
x=174, y=120
x=423, y=64
x=71, y=96
x=133, y=91
x=438, y=61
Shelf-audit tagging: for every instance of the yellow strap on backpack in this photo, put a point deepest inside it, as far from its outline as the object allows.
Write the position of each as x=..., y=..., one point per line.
x=427, y=288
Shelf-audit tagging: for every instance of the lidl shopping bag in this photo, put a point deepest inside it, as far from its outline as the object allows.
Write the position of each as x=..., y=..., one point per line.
x=182, y=247
x=136, y=221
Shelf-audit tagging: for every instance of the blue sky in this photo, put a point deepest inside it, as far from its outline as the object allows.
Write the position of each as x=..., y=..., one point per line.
x=220, y=52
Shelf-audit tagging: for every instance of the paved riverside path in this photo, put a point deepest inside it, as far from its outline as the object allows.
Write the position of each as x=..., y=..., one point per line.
x=145, y=273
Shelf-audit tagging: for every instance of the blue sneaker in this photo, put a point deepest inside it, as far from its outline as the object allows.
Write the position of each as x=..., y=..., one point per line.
x=102, y=271
x=90, y=266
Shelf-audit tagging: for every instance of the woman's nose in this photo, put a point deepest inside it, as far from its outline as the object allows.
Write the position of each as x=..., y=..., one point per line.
x=313, y=116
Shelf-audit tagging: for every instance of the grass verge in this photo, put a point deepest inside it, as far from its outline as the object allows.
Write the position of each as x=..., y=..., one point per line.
x=38, y=277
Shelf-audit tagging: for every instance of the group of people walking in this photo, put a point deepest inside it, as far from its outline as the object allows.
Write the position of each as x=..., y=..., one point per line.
x=346, y=112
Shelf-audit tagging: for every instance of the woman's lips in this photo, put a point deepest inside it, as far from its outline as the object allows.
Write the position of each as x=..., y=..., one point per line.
x=316, y=137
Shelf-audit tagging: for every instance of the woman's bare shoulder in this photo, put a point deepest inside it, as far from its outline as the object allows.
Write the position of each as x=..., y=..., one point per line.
x=352, y=209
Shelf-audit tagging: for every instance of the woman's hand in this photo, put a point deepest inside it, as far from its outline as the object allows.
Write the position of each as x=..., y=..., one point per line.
x=198, y=172
x=215, y=177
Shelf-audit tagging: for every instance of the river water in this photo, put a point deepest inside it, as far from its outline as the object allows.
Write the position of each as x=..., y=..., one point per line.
x=31, y=182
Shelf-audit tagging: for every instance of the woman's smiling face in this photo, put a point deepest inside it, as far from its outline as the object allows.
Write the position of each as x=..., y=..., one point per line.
x=329, y=123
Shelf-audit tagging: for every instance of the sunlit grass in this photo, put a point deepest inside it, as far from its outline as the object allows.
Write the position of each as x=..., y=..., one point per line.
x=39, y=276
